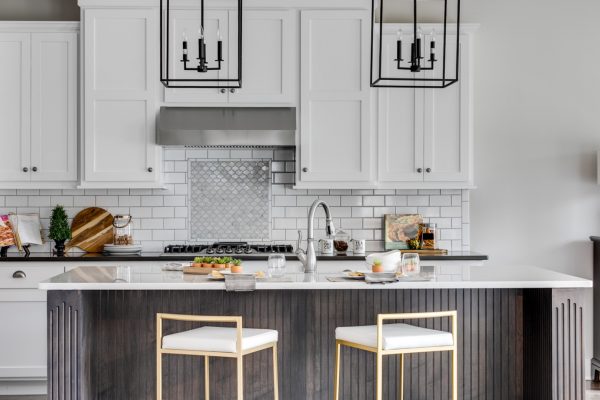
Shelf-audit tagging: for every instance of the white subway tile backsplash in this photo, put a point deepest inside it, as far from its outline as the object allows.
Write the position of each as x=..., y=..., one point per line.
x=418, y=200
x=161, y=215
x=129, y=201
x=39, y=201
x=15, y=201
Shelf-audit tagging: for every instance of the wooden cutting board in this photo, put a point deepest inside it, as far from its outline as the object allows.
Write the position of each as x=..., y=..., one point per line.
x=200, y=271
x=91, y=229
x=427, y=252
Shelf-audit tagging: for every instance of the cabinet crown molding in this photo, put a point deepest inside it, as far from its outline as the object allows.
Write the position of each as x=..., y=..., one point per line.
x=39, y=26
x=273, y=4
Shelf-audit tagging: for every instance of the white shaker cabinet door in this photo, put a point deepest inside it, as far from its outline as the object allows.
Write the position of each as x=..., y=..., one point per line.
x=447, y=126
x=185, y=23
x=119, y=97
x=15, y=95
x=268, y=54
x=335, y=139
x=400, y=124
x=54, y=107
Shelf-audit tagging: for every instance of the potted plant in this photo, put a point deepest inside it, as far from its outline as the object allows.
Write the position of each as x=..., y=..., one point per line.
x=236, y=266
x=197, y=263
x=220, y=263
x=377, y=266
x=59, y=229
x=207, y=262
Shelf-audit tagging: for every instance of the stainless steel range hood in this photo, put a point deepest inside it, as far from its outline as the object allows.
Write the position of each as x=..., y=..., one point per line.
x=221, y=126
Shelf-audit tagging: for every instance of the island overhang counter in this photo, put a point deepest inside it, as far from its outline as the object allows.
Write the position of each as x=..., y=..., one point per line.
x=520, y=334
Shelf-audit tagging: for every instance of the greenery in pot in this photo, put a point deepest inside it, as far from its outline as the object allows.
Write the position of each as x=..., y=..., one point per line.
x=59, y=231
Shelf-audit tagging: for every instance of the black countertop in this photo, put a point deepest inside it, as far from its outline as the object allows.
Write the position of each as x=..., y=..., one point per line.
x=150, y=256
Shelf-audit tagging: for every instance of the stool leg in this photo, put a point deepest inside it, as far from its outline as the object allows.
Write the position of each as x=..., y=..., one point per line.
x=454, y=375
x=336, y=382
x=401, y=387
x=275, y=374
x=158, y=375
x=240, y=378
x=379, y=393
x=206, y=378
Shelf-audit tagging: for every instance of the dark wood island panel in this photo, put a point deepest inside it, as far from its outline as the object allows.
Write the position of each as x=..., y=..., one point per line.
x=513, y=343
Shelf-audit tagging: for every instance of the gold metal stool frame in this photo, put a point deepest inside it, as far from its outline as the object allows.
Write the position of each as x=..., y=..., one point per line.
x=380, y=352
x=238, y=354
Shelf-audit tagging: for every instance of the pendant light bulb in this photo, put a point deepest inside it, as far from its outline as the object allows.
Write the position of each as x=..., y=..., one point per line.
x=219, y=37
x=419, y=33
x=184, y=35
x=201, y=32
x=399, y=34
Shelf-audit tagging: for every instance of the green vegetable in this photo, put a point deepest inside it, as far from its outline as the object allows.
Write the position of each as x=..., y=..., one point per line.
x=236, y=262
x=198, y=260
x=59, y=225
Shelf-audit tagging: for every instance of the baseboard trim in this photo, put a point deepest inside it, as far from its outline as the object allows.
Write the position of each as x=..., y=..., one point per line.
x=22, y=387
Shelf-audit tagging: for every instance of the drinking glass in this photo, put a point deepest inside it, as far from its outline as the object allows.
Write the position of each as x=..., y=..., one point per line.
x=411, y=264
x=276, y=265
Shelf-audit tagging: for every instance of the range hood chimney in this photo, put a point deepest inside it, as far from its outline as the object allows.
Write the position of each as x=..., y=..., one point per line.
x=227, y=126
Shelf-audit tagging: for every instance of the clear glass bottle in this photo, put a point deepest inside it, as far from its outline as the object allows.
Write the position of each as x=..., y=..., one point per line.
x=122, y=230
x=429, y=236
x=341, y=242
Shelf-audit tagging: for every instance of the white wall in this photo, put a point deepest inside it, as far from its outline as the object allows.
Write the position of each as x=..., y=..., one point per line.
x=537, y=127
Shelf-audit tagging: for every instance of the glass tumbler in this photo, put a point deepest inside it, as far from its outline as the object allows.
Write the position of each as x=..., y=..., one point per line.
x=276, y=265
x=411, y=265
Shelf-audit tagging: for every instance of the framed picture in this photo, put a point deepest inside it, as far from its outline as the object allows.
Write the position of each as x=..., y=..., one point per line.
x=398, y=228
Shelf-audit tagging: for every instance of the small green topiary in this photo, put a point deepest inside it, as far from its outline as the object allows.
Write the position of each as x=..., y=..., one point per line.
x=59, y=225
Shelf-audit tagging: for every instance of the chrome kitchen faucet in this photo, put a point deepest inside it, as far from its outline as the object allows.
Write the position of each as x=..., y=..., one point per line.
x=308, y=258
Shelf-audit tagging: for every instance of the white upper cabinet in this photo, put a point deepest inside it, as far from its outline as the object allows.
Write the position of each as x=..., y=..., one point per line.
x=54, y=107
x=425, y=135
x=119, y=107
x=335, y=132
x=38, y=104
x=269, y=46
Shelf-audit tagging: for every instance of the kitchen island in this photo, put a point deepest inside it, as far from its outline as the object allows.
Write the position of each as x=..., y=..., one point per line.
x=520, y=331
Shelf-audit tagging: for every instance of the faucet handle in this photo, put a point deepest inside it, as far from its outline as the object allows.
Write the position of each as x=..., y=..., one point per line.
x=299, y=242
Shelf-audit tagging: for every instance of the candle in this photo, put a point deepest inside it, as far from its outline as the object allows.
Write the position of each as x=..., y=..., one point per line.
x=219, y=46
x=399, y=45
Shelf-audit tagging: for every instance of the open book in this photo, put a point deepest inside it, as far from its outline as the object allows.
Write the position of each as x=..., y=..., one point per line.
x=27, y=228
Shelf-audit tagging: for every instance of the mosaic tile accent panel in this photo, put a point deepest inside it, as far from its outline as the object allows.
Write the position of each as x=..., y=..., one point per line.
x=230, y=200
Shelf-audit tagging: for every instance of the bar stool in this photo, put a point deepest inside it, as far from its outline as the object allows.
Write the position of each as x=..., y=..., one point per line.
x=213, y=341
x=391, y=339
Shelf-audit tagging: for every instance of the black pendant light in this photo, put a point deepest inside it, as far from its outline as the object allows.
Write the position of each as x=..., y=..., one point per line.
x=425, y=64
x=192, y=55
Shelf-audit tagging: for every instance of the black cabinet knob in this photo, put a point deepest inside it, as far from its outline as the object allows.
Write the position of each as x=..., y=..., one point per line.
x=428, y=170
x=304, y=169
x=232, y=90
x=25, y=169
x=34, y=169
x=419, y=170
x=223, y=90
x=150, y=169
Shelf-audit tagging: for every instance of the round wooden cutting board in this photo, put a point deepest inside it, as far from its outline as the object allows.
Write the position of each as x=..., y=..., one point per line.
x=91, y=229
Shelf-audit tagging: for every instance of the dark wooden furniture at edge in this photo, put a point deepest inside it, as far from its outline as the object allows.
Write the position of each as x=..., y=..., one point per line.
x=596, y=358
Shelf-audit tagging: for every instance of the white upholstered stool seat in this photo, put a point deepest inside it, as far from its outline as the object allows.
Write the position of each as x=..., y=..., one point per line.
x=218, y=339
x=397, y=340
x=395, y=336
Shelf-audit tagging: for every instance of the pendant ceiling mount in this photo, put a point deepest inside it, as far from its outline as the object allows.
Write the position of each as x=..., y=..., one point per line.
x=418, y=62
x=186, y=64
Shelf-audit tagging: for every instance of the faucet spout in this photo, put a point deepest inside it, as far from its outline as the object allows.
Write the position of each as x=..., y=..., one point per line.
x=308, y=258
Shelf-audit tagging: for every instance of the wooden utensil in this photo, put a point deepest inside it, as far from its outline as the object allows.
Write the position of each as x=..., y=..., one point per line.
x=91, y=229
x=428, y=252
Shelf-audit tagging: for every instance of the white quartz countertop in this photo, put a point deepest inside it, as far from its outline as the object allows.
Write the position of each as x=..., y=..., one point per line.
x=152, y=277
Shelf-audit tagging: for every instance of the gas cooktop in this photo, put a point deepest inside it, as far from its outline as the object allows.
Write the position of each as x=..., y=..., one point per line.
x=228, y=248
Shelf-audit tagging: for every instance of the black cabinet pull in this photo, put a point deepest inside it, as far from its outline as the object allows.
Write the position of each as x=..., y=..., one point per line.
x=25, y=169
x=428, y=170
x=419, y=170
x=150, y=169
x=34, y=169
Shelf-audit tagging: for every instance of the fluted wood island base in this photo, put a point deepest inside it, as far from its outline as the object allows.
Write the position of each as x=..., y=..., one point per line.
x=514, y=343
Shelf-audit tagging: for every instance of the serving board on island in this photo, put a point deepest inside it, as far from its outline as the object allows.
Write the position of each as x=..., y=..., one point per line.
x=513, y=341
